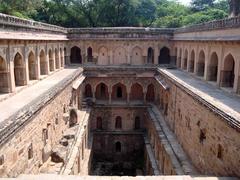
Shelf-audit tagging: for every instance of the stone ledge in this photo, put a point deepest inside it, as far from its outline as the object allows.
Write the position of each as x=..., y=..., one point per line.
x=18, y=120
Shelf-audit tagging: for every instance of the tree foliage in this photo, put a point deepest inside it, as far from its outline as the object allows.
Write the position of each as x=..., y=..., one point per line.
x=115, y=13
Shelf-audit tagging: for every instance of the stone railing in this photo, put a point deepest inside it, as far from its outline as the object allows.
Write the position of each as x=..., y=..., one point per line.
x=7, y=20
x=233, y=22
x=120, y=33
x=121, y=30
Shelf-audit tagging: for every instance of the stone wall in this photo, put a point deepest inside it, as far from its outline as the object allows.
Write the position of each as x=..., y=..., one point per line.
x=209, y=140
x=31, y=145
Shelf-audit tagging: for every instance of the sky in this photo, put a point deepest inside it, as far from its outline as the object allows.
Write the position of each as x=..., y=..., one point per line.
x=186, y=2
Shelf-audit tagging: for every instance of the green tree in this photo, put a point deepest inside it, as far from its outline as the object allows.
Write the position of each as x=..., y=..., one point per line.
x=200, y=5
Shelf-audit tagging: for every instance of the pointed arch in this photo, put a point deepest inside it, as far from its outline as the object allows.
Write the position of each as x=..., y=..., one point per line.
x=90, y=54
x=213, y=67
x=201, y=64
x=103, y=58
x=136, y=92
x=137, y=58
x=185, y=59
x=76, y=56
x=118, y=122
x=51, y=60
x=164, y=57
x=150, y=96
x=150, y=56
x=43, y=63
x=3, y=75
x=88, y=91
x=119, y=92
x=19, y=75
x=192, y=61
x=228, y=73
x=101, y=91
x=120, y=56
x=32, y=66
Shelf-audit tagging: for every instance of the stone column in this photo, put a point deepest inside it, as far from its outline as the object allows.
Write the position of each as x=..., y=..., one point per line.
x=145, y=97
x=156, y=51
x=53, y=59
x=47, y=64
x=128, y=93
x=110, y=96
x=26, y=69
x=94, y=92
x=38, y=73
x=11, y=79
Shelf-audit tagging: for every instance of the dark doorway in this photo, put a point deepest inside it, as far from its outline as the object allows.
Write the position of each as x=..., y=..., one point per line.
x=164, y=57
x=76, y=57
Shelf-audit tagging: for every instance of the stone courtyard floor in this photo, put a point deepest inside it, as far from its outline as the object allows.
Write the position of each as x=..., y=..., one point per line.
x=16, y=102
x=224, y=101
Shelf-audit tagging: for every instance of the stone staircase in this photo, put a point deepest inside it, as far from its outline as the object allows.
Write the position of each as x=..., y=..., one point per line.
x=179, y=158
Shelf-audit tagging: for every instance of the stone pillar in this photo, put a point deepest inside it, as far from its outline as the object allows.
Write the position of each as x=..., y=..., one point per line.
x=94, y=92
x=145, y=97
x=67, y=56
x=206, y=63
x=128, y=93
x=156, y=53
x=110, y=96
x=38, y=73
x=26, y=69
x=47, y=64
x=188, y=60
x=236, y=87
x=11, y=79
x=53, y=59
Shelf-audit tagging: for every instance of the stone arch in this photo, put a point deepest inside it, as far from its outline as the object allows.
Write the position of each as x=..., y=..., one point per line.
x=99, y=123
x=101, y=91
x=164, y=57
x=43, y=63
x=118, y=147
x=137, y=58
x=179, y=60
x=192, y=61
x=118, y=122
x=228, y=73
x=103, y=56
x=120, y=56
x=32, y=66
x=150, y=96
x=150, y=56
x=57, y=64
x=201, y=64
x=185, y=59
x=73, y=118
x=75, y=56
x=136, y=92
x=213, y=67
x=119, y=92
x=51, y=60
x=88, y=91
x=19, y=75
x=90, y=54
x=3, y=75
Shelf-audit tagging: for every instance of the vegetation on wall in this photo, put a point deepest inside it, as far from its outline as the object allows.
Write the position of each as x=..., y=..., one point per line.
x=116, y=13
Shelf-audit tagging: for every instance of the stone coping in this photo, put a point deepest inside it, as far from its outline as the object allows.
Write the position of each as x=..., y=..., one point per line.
x=224, y=104
x=121, y=30
x=7, y=20
x=233, y=22
x=12, y=21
